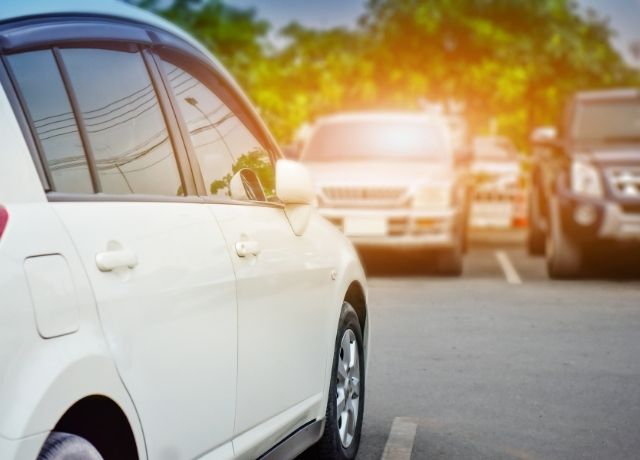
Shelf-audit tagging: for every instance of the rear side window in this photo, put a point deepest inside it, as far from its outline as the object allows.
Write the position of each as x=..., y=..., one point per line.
x=222, y=143
x=38, y=79
x=124, y=123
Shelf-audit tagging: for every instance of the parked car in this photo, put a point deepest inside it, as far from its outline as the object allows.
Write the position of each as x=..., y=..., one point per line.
x=586, y=180
x=391, y=180
x=167, y=290
x=498, y=190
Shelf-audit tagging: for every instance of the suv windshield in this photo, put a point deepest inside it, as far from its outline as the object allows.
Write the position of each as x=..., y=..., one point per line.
x=377, y=140
x=610, y=121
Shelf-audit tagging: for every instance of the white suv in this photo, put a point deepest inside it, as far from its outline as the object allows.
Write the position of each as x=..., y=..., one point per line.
x=391, y=179
x=166, y=289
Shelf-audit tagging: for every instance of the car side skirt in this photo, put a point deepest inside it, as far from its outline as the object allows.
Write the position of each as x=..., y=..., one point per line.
x=297, y=442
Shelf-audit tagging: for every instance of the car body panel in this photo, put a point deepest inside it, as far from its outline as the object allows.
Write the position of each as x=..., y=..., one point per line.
x=283, y=322
x=48, y=376
x=170, y=321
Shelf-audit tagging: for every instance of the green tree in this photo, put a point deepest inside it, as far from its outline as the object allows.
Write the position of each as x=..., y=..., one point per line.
x=513, y=61
x=233, y=35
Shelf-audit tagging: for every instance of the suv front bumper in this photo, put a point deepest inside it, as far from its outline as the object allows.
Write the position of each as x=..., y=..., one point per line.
x=612, y=221
x=396, y=228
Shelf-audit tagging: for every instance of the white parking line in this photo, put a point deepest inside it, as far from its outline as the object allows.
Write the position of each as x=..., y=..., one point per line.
x=508, y=269
x=401, y=437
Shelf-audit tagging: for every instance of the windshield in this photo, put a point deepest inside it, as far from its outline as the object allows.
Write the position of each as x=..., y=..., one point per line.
x=608, y=121
x=493, y=149
x=377, y=140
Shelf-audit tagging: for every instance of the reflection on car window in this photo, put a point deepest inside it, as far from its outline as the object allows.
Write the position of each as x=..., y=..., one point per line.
x=222, y=143
x=40, y=83
x=124, y=122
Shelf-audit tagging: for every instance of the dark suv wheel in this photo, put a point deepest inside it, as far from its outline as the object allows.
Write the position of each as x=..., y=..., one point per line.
x=564, y=255
x=535, y=234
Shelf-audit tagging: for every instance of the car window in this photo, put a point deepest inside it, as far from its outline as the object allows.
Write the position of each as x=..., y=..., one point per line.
x=46, y=100
x=376, y=140
x=222, y=143
x=607, y=121
x=125, y=125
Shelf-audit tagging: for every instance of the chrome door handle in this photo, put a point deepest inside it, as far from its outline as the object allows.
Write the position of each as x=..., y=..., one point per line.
x=110, y=260
x=246, y=248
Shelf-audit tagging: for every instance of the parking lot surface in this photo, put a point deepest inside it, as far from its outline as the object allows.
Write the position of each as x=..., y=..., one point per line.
x=495, y=367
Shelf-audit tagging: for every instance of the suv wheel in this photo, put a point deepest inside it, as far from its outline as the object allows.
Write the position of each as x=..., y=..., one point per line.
x=65, y=446
x=345, y=406
x=449, y=262
x=535, y=235
x=564, y=256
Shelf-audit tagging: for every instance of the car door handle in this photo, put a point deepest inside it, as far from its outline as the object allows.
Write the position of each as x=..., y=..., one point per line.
x=246, y=248
x=110, y=260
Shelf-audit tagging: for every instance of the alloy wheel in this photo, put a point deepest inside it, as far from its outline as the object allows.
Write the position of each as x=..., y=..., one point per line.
x=348, y=387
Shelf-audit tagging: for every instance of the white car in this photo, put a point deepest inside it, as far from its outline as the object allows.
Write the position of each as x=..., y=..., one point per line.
x=391, y=180
x=167, y=290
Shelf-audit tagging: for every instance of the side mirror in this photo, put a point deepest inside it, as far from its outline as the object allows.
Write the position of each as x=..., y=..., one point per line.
x=295, y=190
x=545, y=136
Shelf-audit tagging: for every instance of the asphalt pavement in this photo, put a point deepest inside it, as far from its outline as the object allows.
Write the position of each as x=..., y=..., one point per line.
x=488, y=366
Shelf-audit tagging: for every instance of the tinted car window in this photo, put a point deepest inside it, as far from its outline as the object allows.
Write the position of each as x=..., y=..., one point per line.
x=43, y=91
x=222, y=143
x=607, y=121
x=124, y=122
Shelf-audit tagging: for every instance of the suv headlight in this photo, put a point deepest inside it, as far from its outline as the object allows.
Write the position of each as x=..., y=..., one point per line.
x=432, y=197
x=585, y=179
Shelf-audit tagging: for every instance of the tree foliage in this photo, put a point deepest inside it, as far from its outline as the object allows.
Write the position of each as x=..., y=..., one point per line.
x=510, y=60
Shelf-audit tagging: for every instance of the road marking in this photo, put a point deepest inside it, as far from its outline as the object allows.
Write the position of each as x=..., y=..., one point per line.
x=401, y=437
x=508, y=269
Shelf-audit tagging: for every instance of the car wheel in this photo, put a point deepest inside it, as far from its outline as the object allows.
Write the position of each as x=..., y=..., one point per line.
x=535, y=235
x=65, y=446
x=564, y=256
x=345, y=407
x=449, y=262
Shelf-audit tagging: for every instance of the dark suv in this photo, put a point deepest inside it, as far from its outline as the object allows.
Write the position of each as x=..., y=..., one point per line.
x=585, y=185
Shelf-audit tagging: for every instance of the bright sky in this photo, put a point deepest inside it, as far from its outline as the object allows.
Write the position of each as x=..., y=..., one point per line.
x=624, y=15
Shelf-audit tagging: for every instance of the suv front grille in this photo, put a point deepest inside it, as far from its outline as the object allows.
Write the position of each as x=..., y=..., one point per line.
x=625, y=182
x=364, y=196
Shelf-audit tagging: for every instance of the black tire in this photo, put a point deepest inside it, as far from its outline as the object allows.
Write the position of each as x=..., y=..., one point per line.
x=330, y=445
x=564, y=256
x=65, y=446
x=449, y=262
x=535, y=235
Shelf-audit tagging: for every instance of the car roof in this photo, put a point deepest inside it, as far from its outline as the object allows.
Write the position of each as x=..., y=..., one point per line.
x=13, y=10
x=606, y=94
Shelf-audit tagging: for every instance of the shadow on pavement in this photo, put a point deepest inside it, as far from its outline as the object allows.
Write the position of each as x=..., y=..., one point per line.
x=397, y=263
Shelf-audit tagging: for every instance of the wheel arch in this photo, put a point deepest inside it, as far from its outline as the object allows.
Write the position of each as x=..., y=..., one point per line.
x=102, y=422
x=67, y=385
x=356, y=297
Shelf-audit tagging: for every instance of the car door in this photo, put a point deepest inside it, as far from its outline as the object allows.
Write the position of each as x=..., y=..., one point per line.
x=156, y=259
x=283, y=280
